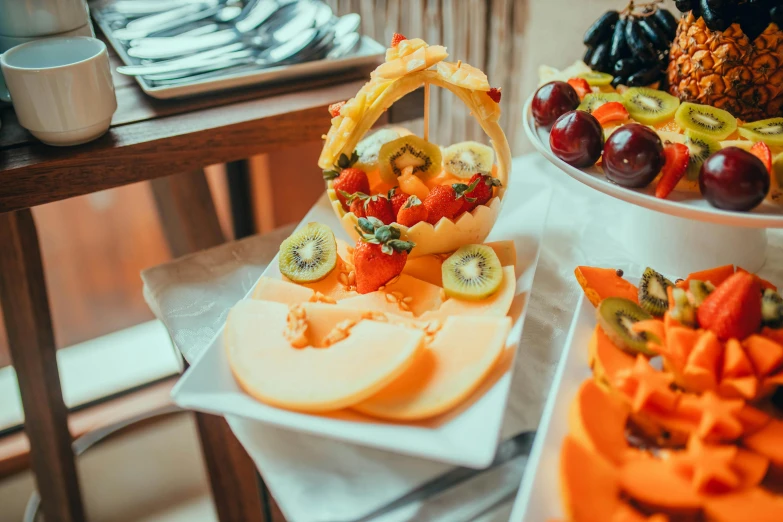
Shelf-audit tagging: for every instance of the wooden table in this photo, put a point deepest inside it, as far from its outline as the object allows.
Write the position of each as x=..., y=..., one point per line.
x=150, y=140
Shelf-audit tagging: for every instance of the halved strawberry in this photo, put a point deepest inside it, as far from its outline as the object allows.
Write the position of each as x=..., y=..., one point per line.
x=581, y=86
x=762, y=152
x=610, y=111
x=334, y=109
x=677, y=158
x=494, y=94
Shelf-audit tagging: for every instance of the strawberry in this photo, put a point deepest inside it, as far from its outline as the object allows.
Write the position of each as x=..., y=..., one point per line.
x=357, y=206
x=479, y=190
x=380, y=207
x=581, y=86
x=398, y=199
x=335, y=108
x=733, y=310
x=412, y=212
x=762, y=152
x=379, y=255
x=494, y=94
x=442, y=202
x=347, y=180
x=397, y=38
x=610, y=111
x=677, y=158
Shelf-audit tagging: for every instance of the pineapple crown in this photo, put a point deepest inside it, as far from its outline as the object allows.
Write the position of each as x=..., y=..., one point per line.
x=372, y=230
x=343, y=162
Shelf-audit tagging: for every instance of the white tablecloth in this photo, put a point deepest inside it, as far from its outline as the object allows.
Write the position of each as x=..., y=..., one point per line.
x=315, y=479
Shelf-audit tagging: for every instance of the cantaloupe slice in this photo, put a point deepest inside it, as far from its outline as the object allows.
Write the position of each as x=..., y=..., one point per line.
x=600, y=283
x=279, y=291
x=407, y=295
x=768, y=441
x=428, y=268
x=606, y=359
x=336, y=284
x=715, y=276
x=315, y=378
x=597, y=420
x=765, y=354
x=498, y=304
x=655, y=484
x=755, y=504
x=455, y=363
x=589, y=484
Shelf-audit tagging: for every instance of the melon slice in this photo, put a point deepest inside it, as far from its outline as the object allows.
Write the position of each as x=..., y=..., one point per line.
x=335, y=286
x=463, y=75
x=498, y=304
x=589, y=484
x=420, y=295
x=428, y=268
x=315, y=378
x=345, y=251
x=455, y=363
x=420, y=59
x=279, y=291
x=600, y=283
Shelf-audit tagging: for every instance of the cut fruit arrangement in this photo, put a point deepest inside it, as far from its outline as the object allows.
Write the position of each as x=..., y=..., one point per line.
x=725, y=63
x=458, y=190
x=683, y=418
x=367, y=328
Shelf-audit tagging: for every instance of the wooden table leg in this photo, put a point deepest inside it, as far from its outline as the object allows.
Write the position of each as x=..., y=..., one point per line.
x=238, y=179
x=31, y=341
x=190, y=224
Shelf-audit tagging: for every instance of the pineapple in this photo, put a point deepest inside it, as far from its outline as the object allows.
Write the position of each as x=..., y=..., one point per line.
x=727, y=70
x=463, y=75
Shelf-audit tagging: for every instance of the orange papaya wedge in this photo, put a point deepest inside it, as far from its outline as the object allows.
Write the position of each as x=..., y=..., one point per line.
x=606, y=359
x=656, y=485
x=600, y=283
x=754, y=504
x=715, y=276
x=765, y=354
x=589, y=484
x=768, y=442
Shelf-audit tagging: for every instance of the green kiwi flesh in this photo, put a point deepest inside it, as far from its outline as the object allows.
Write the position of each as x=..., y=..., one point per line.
x=616, y=316
x=683, y=310
x=309, y=254
x=708, y=121
x=597, y=79
x=699, y=291
x=769, y=131
x=701, y=147
x=650, y=106
x=369, y=147
x=594, y=100
x=409, y=151
x=772, y=309
x=472, y=273
x=467, y=158
x=653, y=297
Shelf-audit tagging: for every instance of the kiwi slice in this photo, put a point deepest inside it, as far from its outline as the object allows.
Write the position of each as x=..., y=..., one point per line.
x=707, y=121
x=409, y=151
x=473, y=272
x=699, y=291
x=367, y=149
x=594, y=100
x=652, y=292
x=650, y=106
x=772, y=309
x=309, y=254
x=597, y=79
x=616, y=317
x=683, y=310
x=465, y=159
x=769, y=131
x=701, y=147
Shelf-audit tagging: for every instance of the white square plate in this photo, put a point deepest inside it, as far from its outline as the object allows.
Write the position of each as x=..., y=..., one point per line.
x=467, y=436
x=539, y=495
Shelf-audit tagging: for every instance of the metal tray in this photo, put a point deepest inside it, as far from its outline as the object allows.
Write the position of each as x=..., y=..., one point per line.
x=368, y=53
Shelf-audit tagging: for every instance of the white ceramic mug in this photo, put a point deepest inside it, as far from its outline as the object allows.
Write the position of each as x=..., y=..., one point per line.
x=27, y=18
x=6, y=42
x=61, y=88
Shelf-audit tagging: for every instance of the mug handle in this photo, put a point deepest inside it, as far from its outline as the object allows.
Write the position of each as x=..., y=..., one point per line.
x=4, y=94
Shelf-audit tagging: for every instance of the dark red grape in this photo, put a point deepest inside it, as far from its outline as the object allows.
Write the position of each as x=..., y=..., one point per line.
x=633, y=156
x=577, y=138
x=734, y=179
x=552, y=101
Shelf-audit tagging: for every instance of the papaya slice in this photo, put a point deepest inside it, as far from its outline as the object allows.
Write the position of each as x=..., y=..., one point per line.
x=774, y=334
x=739, y=387
x=765, y=354
x=656, y=485
x=763, y=282
x=600, y=283
x=701, y=368
x=751, y=468
x=768, y=441
x=597, y=421
x=708, y=467
x=738, y=378
x=752, y=419
x=679, y=345
x=606, y=359
x=589, y=484
x=646, y=388
x=753, y=504
x=715, y=276
x=655, y=328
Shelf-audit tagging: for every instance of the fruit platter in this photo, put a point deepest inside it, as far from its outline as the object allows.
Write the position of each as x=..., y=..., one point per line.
x=388, y=318
x=681, y=117
x=667, y=404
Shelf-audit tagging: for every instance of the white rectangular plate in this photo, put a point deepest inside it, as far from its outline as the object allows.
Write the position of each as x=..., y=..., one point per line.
x=539, y=497
x=467, y=436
